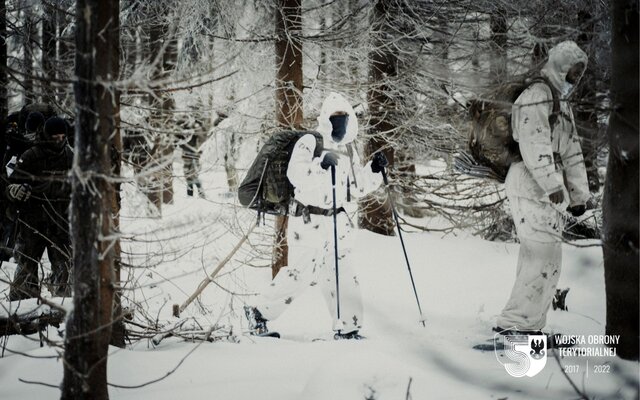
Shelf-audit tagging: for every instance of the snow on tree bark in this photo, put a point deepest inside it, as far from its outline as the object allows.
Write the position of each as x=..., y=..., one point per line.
x=89, y=324
x=4, y=101
x=288, y=28
x=375, y=214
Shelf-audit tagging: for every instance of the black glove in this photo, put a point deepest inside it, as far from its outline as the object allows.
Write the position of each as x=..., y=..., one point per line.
x=19, y=192
x=577, y=211
x=557, y=197
x=329, y=160
x=378, y=162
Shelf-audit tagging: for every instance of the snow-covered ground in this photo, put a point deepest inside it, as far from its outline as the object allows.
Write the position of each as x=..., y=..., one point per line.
x=462, y=281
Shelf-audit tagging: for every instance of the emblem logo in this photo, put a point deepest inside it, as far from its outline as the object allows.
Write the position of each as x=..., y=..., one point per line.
x=525, y=354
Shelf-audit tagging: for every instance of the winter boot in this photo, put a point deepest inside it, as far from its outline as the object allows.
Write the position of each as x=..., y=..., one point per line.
x=200, y=191
x=25, y=284
x=190, y=190
x=257, y=323
x=354, y=335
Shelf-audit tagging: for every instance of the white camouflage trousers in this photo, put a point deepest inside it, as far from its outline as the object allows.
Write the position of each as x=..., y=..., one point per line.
x=311, y=263
x=539, y=225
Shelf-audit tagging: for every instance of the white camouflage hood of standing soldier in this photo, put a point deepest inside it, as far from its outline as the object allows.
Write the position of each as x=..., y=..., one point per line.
x=562, y=57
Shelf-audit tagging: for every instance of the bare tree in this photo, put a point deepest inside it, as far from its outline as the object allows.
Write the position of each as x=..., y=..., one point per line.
x=48, y=52
x=114, y=49
x=4, y=79
x=28, y=36
x=587, y=110
x=163, y=46
x=288, y=21
x=89, y=325
x=383, y=66
x=621, y=202
x=65, y=52
x=499, y=30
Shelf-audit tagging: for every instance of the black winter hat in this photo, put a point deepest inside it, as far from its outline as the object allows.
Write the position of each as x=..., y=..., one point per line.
x=55, y=126
x=35, y=120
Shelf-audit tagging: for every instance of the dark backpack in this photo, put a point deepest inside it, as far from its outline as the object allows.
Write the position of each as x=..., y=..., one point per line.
x=491, y=144
x=266, y=187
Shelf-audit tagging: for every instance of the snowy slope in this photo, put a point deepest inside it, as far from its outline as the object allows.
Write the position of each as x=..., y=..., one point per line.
x=462, y=281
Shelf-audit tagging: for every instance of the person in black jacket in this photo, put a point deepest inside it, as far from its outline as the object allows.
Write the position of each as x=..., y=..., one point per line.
x=16, y=141
x=39, y=188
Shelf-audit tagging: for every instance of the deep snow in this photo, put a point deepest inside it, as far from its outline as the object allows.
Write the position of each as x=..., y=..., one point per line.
x=463, y=282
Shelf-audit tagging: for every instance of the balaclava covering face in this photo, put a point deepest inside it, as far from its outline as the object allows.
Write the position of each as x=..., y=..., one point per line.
x=336, y=104
x=54, y=126
x=562, y=57
x=339, y=126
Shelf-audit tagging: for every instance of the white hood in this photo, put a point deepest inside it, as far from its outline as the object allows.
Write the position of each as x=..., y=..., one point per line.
x=562, y=57
x=333, y=103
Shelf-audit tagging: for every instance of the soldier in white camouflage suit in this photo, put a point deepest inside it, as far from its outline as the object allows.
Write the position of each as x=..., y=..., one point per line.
x=550, y=180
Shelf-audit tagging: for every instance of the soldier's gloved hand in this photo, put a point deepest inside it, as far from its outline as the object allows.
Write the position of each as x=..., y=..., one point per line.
x=578, y=210
x=556, y=197
x=329, y=160
x=379, y=162
x=19, y=192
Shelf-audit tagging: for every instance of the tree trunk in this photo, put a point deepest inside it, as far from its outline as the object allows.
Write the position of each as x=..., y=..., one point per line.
x=620, y=230
x=169, y=61
x=4, y=81
x=499, y=28
x=375, y=212
x=289, y=64
x=162, y=104
x=89, y=325
x=118, y=330
x=288, y=97
x=48, y=53
x=64, y=54
x=585, y=113
x=27, y=55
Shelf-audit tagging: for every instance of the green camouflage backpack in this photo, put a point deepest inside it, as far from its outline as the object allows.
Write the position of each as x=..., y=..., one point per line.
x=491, y=145
x=266, y=187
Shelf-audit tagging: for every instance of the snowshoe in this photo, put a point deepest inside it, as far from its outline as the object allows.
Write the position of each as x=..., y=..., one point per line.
x=353, y=335
x=270, y=334
x=491, y=345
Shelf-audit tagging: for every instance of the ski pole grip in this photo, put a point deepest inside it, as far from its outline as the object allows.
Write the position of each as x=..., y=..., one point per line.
x=333, y=175
x=384, y=176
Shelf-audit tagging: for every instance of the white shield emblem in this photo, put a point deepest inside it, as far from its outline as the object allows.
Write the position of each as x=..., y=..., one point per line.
x=526, y=354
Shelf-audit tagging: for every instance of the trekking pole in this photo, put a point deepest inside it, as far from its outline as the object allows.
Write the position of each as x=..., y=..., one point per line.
x=335, y=239
x=404, y=249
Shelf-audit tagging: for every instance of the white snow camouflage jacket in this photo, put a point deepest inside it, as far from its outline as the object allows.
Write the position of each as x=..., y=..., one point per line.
x=530, y=125
x=312, y=183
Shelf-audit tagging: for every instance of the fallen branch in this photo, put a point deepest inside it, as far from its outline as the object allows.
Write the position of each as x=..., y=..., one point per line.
x=179, y=309
x=30, y=322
